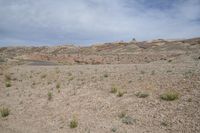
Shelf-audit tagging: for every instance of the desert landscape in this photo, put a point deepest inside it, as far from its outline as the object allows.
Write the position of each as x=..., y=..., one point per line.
x=122, y=87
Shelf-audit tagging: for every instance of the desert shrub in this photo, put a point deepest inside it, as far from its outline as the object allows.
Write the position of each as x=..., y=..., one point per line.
x=105, y=75
x=8, y=84
x=43, y=76
x=120, y=93
x=122, y=114
x=128, y=120
x=114, y=129
x=189, y=100
x=113, y=89
x=142, y=95
x=57, y=85
x=71, y=78
x=73, y=123
x=188, y=73
x=49, y=94
x=169, y=96
x=4, y=112
x=164, y=124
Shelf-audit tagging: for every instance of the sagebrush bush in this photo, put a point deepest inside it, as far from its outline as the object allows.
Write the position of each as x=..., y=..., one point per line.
x=169, y=96
x=142, y=95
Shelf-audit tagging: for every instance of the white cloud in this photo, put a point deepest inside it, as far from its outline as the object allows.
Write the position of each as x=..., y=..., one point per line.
x=90, y=21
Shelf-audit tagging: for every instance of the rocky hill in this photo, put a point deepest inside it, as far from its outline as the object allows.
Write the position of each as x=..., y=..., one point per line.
x=108, y=53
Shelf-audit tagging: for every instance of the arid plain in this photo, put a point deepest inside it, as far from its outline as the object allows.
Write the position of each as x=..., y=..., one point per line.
x=122, y=87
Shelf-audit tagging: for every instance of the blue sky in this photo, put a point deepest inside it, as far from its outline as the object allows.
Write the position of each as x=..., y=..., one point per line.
x=85, y=22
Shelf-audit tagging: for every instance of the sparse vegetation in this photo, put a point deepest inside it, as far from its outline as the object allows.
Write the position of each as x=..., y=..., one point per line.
x=164, y=124
x=169, y=96
x=190, y=100
x=128, y=120
x=188, y=73
x=169, y=71
x=114, y=129
x=8, y=84
x=57, y=86
x=71, y=78
x=120, y=93
x=105, y=75
x=109, y=97
x=43, y=76
x=73, y=123
x=122, y=114
x=4, y=112
x=113, y=89
x=142, y=94
x=49, y=94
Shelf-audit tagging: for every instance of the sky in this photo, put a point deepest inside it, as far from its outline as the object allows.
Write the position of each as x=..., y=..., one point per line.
x=86, y=22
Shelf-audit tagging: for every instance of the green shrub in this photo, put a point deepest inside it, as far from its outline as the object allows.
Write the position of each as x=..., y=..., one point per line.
x=122, y=114
x=8, y=84
x=71, y=78
x=4, y=112
x=128, y=120
x=57, y=85
x=73, y=123
x=142, y=95
x=49, y=96
x=120, y=93
x=113, y=89
x=43, y=76
x=105, y=75
x=114, y=129
x=169, y=96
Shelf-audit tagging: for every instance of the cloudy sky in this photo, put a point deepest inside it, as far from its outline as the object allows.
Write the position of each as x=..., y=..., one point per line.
x=84, y=22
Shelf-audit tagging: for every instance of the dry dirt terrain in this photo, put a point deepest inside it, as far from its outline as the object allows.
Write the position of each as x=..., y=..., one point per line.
x=122, y=87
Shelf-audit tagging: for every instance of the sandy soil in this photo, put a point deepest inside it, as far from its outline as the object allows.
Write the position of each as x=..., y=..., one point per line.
x=83, y=92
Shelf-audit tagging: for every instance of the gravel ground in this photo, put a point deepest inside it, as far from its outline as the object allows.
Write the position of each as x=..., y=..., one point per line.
x=83, y=93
